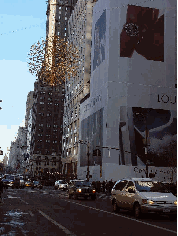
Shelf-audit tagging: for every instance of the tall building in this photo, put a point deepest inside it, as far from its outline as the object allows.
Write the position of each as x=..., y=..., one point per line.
x=130, y=115
x=18, y=151
x=46, y=131
x=58, y=13
x=78, y=88
x=29, y=104
x=47, y=112
x=5, y=160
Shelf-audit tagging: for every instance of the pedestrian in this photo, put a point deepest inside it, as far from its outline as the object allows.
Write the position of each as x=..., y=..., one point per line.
x=99, y=186
x=1, y=189
x=103, y=186
x=110, y=185
x=107, y=186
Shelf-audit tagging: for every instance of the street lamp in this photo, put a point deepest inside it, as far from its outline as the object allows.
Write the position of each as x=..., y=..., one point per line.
x=145, y=115
x=88, y=155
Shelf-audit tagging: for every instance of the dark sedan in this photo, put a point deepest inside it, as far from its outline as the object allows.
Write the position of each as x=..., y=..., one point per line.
x=81, y=188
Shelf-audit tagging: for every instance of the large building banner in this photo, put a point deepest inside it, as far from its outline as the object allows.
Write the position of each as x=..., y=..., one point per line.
x=99, y=40
x=91, y=132
x=143, y=32
x=154, y=137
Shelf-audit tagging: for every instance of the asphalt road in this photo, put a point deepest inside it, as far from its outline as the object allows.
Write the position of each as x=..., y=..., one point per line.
x=50, y=212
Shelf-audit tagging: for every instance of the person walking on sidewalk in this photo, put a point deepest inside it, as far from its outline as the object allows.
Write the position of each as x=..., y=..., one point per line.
x=103, y=186
x=1, y=189
x=110, y=185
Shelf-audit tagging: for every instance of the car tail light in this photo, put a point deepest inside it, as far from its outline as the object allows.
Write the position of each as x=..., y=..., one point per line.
x=94, y=190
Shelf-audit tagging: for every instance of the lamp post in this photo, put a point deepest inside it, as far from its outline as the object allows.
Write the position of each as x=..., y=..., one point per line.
x=88, y=155
x=145, y=115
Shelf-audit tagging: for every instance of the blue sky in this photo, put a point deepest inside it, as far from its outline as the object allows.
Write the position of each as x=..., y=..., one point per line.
x=22, y=23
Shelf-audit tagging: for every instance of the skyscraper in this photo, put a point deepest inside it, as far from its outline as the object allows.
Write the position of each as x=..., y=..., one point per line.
x=47, y=114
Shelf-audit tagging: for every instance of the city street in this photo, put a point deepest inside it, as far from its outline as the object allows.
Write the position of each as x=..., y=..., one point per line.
x=50, y=212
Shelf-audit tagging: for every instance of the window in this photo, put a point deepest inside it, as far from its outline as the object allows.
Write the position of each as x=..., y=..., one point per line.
x=130, y=185
x=119, y=186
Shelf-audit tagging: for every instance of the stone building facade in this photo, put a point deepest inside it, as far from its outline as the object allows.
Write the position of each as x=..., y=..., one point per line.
x=76, y=89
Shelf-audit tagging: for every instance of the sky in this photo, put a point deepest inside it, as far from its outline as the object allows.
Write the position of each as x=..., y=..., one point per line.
x=22, y=23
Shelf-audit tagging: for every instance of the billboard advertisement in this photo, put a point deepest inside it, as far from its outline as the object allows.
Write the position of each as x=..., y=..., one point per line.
x=143, y=32
x=99, y=40
x=152, y=137
x=91, y=132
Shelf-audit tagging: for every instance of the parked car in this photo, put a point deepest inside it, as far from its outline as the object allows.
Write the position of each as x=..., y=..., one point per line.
x=37, y=184
x=12, y=181
x=28, y=184
x=81, y=188
x=22, y=182
x=5, y=182
x=60, y=184
x=143, y=195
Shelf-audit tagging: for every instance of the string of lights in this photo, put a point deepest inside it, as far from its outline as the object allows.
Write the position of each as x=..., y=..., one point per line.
x=23, y=28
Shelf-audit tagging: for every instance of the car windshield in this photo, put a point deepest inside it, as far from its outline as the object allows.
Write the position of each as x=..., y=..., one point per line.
x=62, y=182
x=82, y=183
x=150, y=186
x=10, y=177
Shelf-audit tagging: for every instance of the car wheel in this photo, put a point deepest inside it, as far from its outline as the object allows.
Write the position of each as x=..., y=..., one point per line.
x=75, y=196
x=137, y=211
x=115, y=207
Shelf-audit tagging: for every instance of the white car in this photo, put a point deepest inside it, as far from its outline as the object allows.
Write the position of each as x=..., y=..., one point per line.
x=60, y=184
x=143, y=195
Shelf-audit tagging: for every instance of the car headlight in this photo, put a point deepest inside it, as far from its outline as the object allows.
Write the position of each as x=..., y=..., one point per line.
x=150, y=202
x=79, y=190
x=175, y=202
x=94, y=190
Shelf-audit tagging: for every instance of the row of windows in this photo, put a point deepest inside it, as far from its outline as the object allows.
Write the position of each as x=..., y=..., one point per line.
x=50, y=103
x=48, y=125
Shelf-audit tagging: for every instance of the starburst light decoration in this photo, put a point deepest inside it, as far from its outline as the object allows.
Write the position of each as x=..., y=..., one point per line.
x=52, y=60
